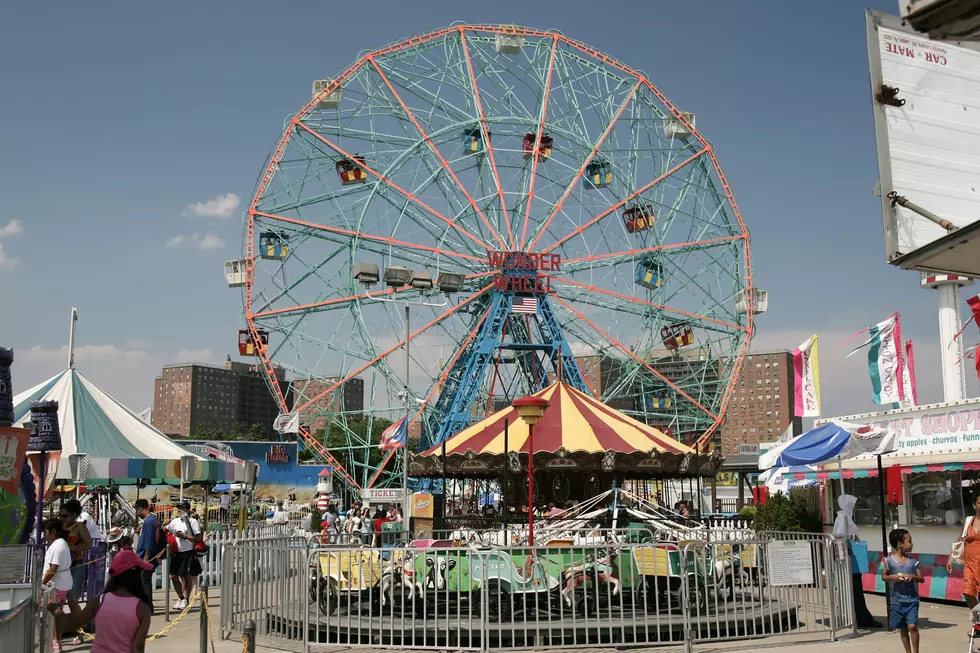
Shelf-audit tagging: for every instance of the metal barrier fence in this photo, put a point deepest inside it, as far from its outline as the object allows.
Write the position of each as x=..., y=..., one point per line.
x=17, y=628
x=577, y=595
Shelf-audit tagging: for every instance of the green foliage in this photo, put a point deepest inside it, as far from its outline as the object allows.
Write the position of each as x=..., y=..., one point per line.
x=315, y=518
x=335, y=439
x=242, y=433
x=782, y=513
x=748, y=512
x=306, y=456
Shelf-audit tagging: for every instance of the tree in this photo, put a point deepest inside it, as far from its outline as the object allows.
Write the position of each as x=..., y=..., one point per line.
x=786, y=514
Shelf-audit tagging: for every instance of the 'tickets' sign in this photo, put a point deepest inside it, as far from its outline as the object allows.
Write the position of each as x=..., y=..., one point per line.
x=277, y=454
x=519, y=271
x=13, y=449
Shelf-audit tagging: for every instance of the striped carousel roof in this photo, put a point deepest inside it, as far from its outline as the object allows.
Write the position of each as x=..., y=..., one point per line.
x=573, y=421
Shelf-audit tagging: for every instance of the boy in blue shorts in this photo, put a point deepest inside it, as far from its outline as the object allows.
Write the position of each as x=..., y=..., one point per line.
x=903, y=573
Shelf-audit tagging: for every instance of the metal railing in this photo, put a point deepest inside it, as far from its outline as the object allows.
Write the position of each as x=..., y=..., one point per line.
x=586, y=594
x=17, y=627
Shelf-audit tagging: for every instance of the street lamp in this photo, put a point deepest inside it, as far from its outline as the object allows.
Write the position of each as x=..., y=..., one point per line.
x=530, y=409
x=367, y=274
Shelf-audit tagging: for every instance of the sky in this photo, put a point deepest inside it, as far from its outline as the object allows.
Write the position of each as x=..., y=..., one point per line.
x=133, y=134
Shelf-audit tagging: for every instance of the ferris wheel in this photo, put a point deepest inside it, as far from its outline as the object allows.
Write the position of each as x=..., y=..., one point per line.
x=542, y=211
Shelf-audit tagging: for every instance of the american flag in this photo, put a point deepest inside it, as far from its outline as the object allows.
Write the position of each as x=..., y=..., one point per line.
x=525, y=305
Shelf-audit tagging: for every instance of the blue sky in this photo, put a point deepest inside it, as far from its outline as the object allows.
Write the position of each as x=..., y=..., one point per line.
x=119, y=118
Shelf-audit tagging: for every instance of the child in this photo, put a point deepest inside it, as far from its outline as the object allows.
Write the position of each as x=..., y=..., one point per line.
x=57, y=571
x=903, y=573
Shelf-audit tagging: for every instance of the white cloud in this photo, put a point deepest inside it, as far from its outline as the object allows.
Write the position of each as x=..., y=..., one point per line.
x=137, y=343
x=6, y=261
x=13, y=228
x=211, y=241
x=195, y=356
x=208, y=241
x=221, y=207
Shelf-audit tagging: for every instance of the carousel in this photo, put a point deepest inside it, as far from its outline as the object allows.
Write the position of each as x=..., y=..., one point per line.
x=561, y=447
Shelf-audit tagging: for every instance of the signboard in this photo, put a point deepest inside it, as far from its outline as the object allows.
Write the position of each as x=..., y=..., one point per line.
x=790, y=563
x=520, y=271
x=389, y=494
x=277, y=454
x=936, y=429
x=928, y=137
x=13, y=448
x=748, y=449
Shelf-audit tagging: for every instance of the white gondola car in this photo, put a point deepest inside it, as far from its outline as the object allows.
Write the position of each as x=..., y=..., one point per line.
x=331, y=100
x=509, y=43
x=760, y=301
x=235, y=273
x=676, y=129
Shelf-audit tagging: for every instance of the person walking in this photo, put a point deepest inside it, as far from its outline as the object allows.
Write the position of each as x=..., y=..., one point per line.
x=903, y=574
x=845, y=528
x=79, y=541
x=150, y=545
x=122, y=614
x=185, y=565
x=970, y=540
x=57, y=572
x=330, y=523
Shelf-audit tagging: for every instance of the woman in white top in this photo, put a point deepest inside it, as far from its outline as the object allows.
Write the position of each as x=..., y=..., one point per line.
x=57, y=570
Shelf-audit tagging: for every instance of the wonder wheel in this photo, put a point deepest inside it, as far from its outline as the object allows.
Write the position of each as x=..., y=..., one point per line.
x=540, y=208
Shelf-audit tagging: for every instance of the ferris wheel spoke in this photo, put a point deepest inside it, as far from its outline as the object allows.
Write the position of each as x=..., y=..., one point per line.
x=393, y=242
x=615, y=258
x=618, y=345
x=539, y=132
x=643, y=302
x=409, y=196
x=483, y=126
x=435, y=151
x=618, y=205
x=396, y=346
x=585, y=164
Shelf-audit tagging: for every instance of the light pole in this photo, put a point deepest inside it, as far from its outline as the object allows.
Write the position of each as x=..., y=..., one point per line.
x=397, y=278
x=530, y=409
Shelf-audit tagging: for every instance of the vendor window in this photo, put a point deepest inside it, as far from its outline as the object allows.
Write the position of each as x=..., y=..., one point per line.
x=936, y=498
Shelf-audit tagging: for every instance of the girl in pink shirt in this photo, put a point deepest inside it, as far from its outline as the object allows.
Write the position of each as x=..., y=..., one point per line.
x=122, y=613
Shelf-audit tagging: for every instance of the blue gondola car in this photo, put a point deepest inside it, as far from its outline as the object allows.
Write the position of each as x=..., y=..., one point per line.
x=273, y=245
x=659, y=402
x=649, y=274
x=473, y=140
x=598, y=174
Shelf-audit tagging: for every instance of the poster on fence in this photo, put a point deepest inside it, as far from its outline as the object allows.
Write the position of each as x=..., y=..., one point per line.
x=790, y=563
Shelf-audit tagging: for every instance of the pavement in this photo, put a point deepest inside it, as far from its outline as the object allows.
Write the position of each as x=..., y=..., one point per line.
x=943, y=627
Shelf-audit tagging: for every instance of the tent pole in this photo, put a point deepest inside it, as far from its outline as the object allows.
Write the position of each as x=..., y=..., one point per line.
x=884, y=526
x=840, y=473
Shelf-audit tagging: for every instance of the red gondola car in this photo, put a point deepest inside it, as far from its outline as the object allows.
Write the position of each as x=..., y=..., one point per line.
x=639, y=217
x=544, y=149
x=246, y=344
x=675, y=336
x=350, y=170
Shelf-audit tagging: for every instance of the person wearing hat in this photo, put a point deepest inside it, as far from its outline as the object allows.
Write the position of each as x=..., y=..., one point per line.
x=122, y=613
x=185, y=565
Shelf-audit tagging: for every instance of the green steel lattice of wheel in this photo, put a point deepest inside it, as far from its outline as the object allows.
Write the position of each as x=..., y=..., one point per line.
x=428, y=153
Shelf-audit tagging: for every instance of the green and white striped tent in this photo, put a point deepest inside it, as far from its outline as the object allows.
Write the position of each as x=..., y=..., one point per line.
x=121, y=447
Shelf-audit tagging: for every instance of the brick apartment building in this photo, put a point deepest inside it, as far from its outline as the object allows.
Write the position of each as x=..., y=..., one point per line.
x=193, y=397
x=348, y=397
x=761, y=408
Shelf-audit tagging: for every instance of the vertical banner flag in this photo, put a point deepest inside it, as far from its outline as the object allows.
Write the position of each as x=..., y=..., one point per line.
x=908, y=377
x=885, y=361
x=394, y=436
x=806, y=371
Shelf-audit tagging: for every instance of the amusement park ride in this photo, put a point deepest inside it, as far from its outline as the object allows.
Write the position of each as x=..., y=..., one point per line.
x=550, y=213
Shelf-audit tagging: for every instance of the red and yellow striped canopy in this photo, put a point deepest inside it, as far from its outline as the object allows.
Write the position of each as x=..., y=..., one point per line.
x=573, y=421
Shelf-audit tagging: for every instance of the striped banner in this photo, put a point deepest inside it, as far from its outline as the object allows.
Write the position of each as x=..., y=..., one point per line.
x=885, y=361
x=866, y=473
x=908, y=378
x=806, y=372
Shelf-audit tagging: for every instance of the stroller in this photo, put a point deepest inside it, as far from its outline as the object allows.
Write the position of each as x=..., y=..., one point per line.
x=975, y=631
